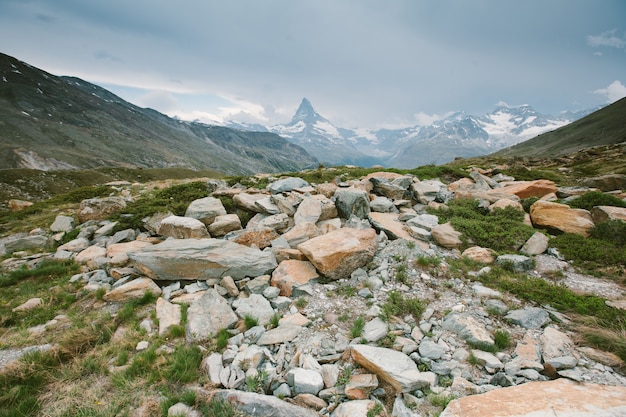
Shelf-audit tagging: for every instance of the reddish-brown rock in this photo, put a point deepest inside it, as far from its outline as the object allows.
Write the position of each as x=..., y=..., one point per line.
x=561, y=217
x=601, y=214
x=292, y=273
x=525, y=189
x=337, y=254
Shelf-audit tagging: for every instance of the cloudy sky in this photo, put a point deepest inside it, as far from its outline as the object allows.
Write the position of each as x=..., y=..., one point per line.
x=362, y=63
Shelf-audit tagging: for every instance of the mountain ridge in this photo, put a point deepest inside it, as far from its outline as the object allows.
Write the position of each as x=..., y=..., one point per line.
x=458, y=135
x=49, y=122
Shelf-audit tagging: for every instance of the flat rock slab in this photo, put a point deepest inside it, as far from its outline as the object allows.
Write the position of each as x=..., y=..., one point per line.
x=560, y=397
x=279, y=335
x=259, y=405
x=201, y=259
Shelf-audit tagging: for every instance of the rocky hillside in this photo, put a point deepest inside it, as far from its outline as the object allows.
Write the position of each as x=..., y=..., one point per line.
x=603, y=127
x=49, y=122
x=379, y=294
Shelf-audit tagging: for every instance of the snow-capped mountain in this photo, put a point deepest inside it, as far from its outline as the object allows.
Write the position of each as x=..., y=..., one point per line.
x=459, y=135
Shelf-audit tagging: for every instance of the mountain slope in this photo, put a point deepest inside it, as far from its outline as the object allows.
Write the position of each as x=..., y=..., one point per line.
x=49, y=122
x=603, y=127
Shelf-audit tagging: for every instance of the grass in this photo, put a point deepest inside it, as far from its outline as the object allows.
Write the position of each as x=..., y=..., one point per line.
x=357, y=327
x=301, y=302
x=397, y=304
x=184, y=365
x=222, y=339
x=596, y=198
x=250, y=321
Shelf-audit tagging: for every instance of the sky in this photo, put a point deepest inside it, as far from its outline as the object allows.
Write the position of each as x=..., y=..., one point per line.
x=361, y=63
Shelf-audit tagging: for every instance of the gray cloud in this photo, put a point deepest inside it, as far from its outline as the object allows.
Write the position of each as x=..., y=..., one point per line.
x=362, y=63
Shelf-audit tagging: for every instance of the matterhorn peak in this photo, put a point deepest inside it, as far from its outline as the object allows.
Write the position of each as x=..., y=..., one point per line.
x=306, y=113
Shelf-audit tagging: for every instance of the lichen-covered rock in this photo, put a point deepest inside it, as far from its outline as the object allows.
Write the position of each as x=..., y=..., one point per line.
x=561, y=217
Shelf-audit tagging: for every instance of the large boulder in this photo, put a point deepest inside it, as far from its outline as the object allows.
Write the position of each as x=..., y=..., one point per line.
x=561, y=217
x=352, y=202
x=287, y=184
x=259, y=405
x=338, y=253
x=182, y=228
x=205, y=209
x=609, y=182
x=200, y=259
x=525, y=189
x=560, y=397
x=99, y=208
x=601, y=214
x=292, y=273
x=207, y=315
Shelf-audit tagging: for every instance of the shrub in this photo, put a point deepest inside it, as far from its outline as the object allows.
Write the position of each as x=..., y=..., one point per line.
x=357, y=327
x=503, y=230
x=596, y=198
x=397, y=304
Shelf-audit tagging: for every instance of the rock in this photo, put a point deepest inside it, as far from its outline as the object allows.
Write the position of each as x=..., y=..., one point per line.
x=560, y=397
x=607, y=182
x=461, y=387
x=300, y=233
x=266, y=205
x=258, y=405
x=256, y=306
x=133, y=289
x=401, y=410
x=374, y=330
x=182, y=228
x=479, y=254
x=229, y=284
x=393, y=228
x=424, y=221
x=30, y=304
x=446, y=236
x=525, y=189
x=292, y=273
x=248, y=201
x=284, y=185
x=257, y=285
x=19, y=242
x=18, y=205
x=118, y=252
x=536, y=245
x=561, y=217
x=518, y=263
x=62, y=224
x=279, y=335
x=309, y=211
x=257, y=238
x=601, y=214
x=555, y=344
x=360, y=386
x=99, y=208
x=529, y=317
x=391, y=366
x=506, y=202
x=182, y=410
x=468, y=328
x=356, y=408
x=330, y=374
x=336, y=254
x=488, y=360
x=431, y=350
x=305, y=381
x=205, y=209
x=208, y=315
x=224, y=224
x=168, y=315
x=382, y=205
x=201, y=259
x=90, y=254
x=352, y=202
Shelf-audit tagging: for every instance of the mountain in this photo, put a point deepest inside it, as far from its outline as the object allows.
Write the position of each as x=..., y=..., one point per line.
x=602, y=127
x=49, y=122
x=459, y=135
x=322, y=139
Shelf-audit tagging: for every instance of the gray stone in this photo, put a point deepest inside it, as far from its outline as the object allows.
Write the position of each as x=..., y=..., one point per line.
x=382, y=205
x=62, y=224
x=168, y=315
x=201, y=259
x=24, y=242
x=487, y=359
x=529, y=317
x=497, y=306
x=356, y=408
x=208, y=315
x=391, y=366
x=287, y=184
x=468, y=328
x=309, y=211
x=256, y=306
x=258, y=284
x=279, y=335
x=424, y=221
x=374, y=330
x=519, y=263
x=352, y=202
x=178, y=227
x=205, y=209
x=536, y=245
x=502, y=379
x=282, y=391
x=305, y=381
x=182, y=410
x=431, y=350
